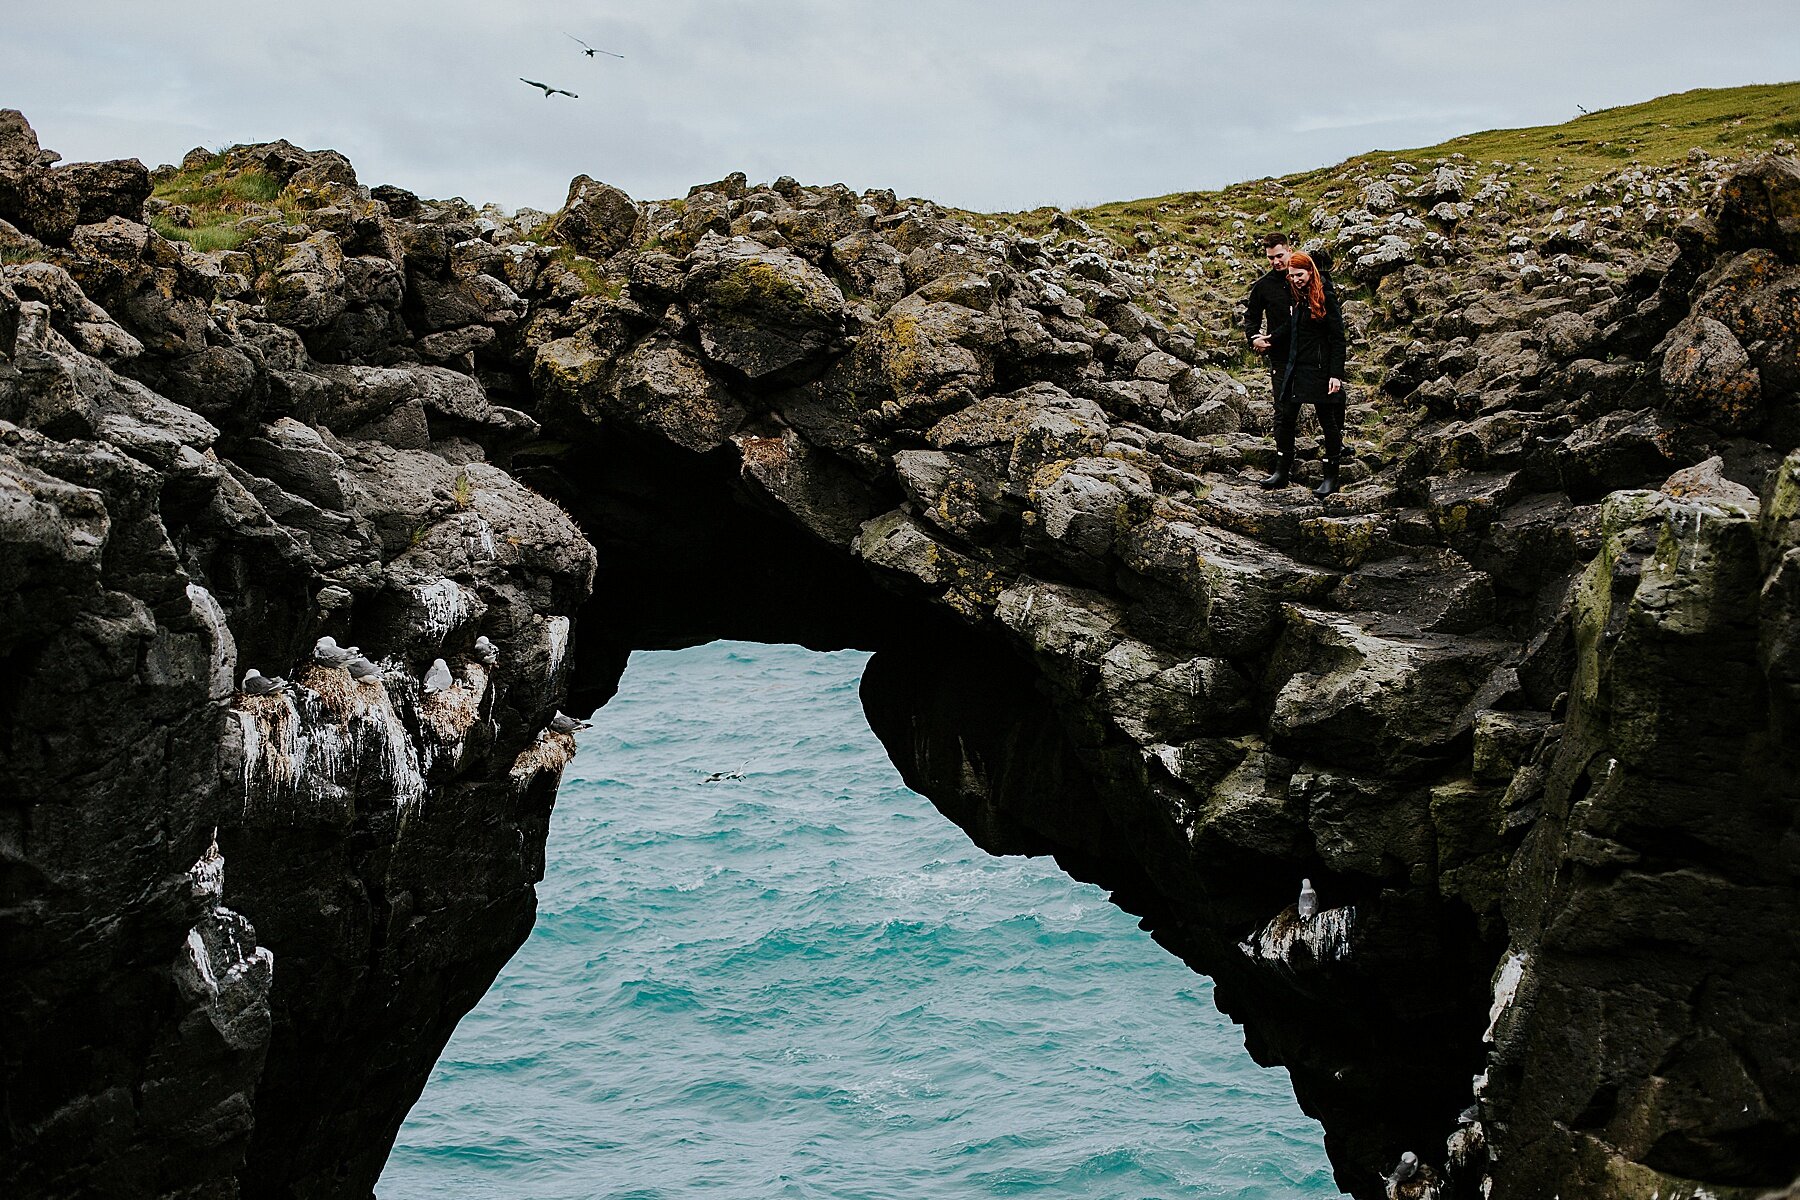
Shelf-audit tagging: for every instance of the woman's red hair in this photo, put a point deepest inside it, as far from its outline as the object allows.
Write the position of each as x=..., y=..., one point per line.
x=1315, y=290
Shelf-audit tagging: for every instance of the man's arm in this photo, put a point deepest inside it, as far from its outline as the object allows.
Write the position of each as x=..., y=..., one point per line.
x=1254, y=309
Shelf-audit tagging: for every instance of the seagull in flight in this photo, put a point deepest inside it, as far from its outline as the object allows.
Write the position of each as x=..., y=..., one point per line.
x=591, y=51
x=1582, y=109
x=548, y=90
x=729, y=776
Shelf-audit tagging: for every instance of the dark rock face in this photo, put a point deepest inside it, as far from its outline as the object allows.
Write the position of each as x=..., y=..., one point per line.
x=1520, y=702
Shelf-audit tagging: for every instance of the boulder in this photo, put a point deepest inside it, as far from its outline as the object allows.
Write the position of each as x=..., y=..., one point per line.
x=597, y=219
x=759, y=310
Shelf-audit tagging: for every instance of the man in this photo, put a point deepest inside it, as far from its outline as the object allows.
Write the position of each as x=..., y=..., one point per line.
x=1268, y=304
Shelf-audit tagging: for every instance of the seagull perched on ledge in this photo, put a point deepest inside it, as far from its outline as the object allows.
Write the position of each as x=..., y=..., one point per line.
x=563, y=723
x=258, y=684
x=438, y=678
x=327, y=653
x=548, y=90
x=1308, y=904
x=590, y=51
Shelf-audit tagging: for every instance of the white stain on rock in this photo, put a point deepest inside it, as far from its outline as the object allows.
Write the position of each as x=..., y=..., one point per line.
x=445, y=604
x=223, y=667
x=1291, y=940
x=556, y=634
x=220, y=966
x=306, y=747
x=1506, y=989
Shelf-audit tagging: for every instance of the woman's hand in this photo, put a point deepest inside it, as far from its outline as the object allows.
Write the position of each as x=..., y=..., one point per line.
x=1334, y=387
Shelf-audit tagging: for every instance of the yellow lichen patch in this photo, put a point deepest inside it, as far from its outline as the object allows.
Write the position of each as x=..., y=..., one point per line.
x=900, y=351
x=1345, y=540
x=974, y=592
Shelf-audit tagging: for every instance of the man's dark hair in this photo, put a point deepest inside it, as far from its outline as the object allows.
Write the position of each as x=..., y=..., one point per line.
x=1278, y=238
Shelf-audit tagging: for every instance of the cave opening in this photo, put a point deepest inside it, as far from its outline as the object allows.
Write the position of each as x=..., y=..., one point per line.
x=762, y=963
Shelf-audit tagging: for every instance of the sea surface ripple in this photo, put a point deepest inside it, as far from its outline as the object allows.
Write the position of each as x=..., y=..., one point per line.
x=807, y=983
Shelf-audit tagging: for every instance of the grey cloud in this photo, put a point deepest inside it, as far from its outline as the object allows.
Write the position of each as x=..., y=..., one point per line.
x=1002, y=104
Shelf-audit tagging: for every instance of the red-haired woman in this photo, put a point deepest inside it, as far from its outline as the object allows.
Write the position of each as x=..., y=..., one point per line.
x=1314, y=373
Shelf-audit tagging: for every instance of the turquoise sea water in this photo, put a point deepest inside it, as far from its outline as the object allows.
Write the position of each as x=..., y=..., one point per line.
x=806, y=983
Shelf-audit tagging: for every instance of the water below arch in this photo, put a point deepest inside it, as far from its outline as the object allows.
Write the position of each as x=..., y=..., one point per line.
x=807, y=983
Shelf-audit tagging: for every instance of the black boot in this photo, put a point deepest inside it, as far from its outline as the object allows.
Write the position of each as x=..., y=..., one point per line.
x=1331, y=418
x=1287, y=421
x=1284, y=467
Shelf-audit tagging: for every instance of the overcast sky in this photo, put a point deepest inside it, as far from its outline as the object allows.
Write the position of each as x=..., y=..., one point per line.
x=986, y=104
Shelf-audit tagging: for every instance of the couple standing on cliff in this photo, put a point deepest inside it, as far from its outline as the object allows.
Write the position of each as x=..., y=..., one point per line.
x=1304, y=343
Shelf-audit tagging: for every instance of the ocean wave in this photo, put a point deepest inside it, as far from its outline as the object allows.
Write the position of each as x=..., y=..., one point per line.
x=807, y=983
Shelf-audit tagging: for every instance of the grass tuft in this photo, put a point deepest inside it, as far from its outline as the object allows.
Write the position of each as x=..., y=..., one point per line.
x=216, y=201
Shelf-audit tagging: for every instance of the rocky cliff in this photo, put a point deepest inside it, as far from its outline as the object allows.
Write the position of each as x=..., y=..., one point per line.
x=1519, y=702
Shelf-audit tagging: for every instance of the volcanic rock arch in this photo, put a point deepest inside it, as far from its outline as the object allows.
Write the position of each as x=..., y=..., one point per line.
x=1520, y=703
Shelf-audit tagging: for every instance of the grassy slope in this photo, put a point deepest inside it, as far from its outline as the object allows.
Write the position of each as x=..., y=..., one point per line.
x=1203, y=247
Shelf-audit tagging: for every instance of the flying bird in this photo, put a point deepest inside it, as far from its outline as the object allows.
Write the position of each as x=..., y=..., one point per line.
x=1582, y=109
x=729, y=776
x=548, y=90
x=591, y=51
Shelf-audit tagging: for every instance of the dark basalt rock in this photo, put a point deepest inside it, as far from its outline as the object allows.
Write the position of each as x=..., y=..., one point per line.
x=1521, y=701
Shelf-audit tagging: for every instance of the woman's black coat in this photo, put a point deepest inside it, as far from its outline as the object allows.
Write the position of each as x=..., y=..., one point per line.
x=1315, y=353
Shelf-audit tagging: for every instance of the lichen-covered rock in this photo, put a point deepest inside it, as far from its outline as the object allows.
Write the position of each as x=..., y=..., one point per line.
x=1708, y=377
x=760, y=310
x=1519, y=700
x=596, y=219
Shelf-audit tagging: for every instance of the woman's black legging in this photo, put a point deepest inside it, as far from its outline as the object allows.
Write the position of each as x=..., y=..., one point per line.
x=1331, y=421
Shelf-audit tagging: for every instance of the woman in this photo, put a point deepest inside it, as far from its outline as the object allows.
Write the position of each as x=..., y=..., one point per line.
x=1314, y=373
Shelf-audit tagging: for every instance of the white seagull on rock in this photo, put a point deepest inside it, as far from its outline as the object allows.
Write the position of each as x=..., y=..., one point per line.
x=563, y=723
x=258, y=684
x=438, y=678
x=1308, y=904
x=327, y=653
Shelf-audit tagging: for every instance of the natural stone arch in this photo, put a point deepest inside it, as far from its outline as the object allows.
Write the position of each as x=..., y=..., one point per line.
x=1445, y=697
